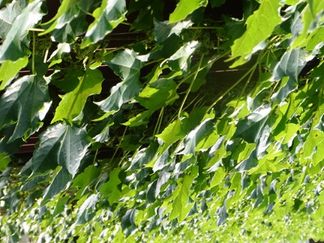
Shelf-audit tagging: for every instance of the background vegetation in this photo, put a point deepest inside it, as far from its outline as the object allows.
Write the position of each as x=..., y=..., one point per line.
x=158, y=120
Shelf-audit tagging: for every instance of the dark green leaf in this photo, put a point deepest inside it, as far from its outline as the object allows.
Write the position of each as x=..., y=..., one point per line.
x=61, y=182
x=24, y=105
x=61, y=144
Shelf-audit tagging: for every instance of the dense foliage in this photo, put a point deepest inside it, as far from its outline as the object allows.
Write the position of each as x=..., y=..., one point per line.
x=159, y=120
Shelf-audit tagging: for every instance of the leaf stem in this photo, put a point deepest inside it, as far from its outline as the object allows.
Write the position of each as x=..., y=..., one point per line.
x=233, y=86
x=33, y=54
x=190, y=87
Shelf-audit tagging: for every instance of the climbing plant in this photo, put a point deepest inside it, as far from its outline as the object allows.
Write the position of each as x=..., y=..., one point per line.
x=160, y=121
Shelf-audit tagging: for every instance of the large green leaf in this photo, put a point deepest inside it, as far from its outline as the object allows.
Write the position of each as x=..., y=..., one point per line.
x=24, y=105
x=256, y=33
x=73, y=102
x=15, y=45
x=107, y=17
x=184, y=8
x=127, y=65
x=61, y=144
x=312, y=19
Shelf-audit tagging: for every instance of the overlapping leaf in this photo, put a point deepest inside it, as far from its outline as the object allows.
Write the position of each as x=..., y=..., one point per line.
x=15, y=44
x=61, y=145
x=127, y=65
x=21, y=105
x=73, y=102
x=255, y=34
x=107, y=17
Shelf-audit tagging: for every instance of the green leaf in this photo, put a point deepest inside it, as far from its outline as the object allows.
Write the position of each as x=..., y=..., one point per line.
x=61, y=182
x=8, y=15
x=218, y=177
x=180, y=60
x=290, y=65
x=22, y=105
x=61, y=144
x=179, y=128
x=313, y=147
x=181, y=207
x=85, y=178
x=73, y=102
x=184, y=8
x=106, y=18
x=87, y=209
x=9, y=69
x=202, y=131
x=290, y=132
x=158, y=94
x=127, y=65
x=69, y=21
x=256, y=33
x=14, y=45
x=251, y=127
x=4, y=161
x=311, y=19
x=163, y=30
x=110, y=189
x=139, y=120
